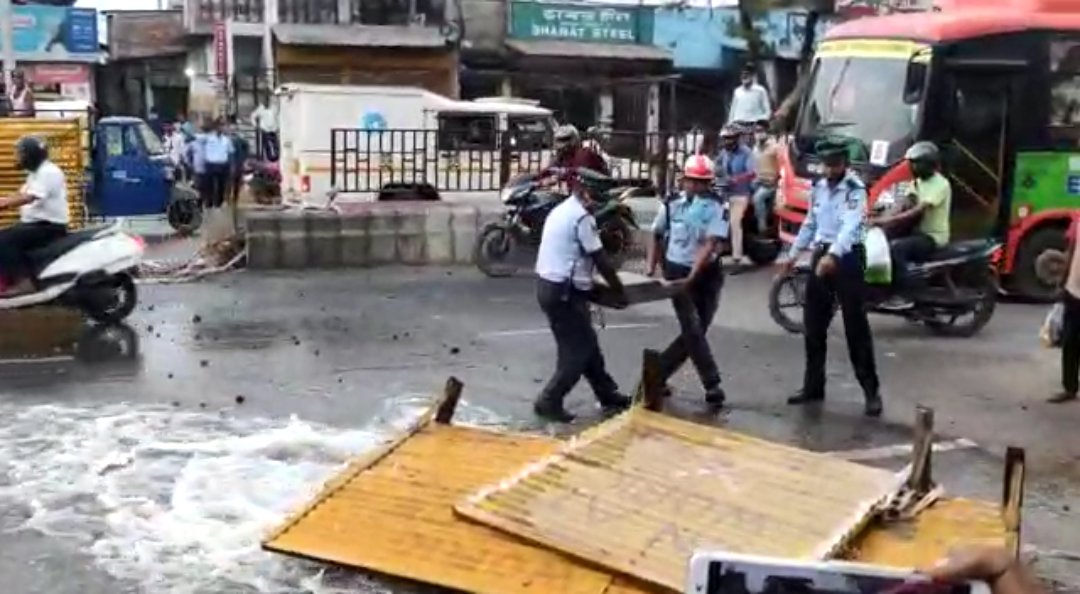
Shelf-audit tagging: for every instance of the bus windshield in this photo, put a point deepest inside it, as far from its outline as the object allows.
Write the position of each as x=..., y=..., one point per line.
x=860, y=98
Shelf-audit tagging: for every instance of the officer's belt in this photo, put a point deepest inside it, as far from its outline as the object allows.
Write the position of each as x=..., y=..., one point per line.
x=824, y=247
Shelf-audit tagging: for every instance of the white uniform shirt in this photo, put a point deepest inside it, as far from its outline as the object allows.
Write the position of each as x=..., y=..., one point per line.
x=570, y=234
x=49, y=187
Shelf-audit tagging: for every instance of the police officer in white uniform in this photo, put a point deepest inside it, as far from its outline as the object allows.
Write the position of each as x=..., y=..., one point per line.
x=834, y=230
x=569, y=249
x=690, y=231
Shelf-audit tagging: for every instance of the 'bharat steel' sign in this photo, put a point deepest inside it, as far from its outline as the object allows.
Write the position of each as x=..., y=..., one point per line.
x=565, y=22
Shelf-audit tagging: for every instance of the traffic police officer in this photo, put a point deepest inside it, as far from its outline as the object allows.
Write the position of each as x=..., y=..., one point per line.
x=569, y=249
x=834, y=229
x=689, y=232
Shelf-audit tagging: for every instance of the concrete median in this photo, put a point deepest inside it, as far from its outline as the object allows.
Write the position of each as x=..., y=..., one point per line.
x=365, y=235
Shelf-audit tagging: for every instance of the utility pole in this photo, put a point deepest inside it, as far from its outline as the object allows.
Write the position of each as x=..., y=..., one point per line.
x=7, y=39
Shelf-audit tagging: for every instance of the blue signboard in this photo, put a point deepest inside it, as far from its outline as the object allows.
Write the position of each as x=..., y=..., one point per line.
x=55, y=33
x=1072, y=185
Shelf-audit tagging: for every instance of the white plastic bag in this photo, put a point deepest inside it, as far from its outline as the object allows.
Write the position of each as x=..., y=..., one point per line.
x=878, y=258
x=1050, y=333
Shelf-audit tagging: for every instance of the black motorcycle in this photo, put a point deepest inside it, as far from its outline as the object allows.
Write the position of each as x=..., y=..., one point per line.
x=954, y=292
x=528, y=204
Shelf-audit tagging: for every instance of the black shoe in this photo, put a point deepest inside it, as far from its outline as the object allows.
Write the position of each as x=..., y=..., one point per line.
x=715, y=396
x=614, y=403
x=874, y=406
x=804, y=397
x=1062, y=397
x=552, y=412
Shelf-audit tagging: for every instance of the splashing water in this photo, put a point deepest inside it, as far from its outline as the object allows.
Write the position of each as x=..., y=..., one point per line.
x=178, y=501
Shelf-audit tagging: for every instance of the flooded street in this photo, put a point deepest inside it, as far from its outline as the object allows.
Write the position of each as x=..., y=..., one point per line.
x=154, y=457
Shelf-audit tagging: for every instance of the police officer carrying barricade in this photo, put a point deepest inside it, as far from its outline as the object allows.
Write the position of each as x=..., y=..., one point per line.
x=689, y=231
x=569, y=249
x=833, y=230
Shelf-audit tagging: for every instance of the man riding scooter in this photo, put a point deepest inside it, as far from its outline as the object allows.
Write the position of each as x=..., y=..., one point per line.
x=43, y=216
x=922, y=227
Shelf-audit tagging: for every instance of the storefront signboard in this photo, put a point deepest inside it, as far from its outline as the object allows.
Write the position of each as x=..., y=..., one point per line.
x=587, y=23
x=55, y=34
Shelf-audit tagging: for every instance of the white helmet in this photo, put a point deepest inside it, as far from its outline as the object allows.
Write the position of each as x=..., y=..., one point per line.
x=925, y=151
x=699, y=167
x=566, y=135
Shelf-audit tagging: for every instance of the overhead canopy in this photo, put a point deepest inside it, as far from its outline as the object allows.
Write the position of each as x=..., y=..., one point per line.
x=359, y=36
x=597, y=51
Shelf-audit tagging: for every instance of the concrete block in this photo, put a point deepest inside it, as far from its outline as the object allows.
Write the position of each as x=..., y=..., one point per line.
x=411, y=239
x=294, y=240
x=356, y=239
x=382, y=235
x=263, y=240
x=464, y=225
x=324, y=239
x=440, y=239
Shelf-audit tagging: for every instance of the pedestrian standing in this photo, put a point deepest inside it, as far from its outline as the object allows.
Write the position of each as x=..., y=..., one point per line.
x=833, y=230
x=750, y=101
x=1070, y=327
x=218, y=151
x=21, y=96
x=195, y=155
x=570, y=248
x=689, y=232
x=265, y=119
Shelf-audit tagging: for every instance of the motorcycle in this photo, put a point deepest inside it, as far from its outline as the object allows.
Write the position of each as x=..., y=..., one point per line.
x=528, y=203
x=91, y=270
x=263, y=180
x=762, y=246
x=956, y=292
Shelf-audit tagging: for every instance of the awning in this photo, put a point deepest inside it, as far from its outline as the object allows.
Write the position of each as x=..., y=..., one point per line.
x=579, y=49
x=359, y=36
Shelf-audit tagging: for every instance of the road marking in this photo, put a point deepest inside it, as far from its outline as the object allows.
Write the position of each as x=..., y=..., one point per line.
x=535, y=331
x=37, y=360
x=902, y=449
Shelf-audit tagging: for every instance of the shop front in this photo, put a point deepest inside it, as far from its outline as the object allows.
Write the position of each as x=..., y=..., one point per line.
x=57, y=47
x=593, y=65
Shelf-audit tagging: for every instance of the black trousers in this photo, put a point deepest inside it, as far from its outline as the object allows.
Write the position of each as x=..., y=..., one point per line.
x=695, y=310
x=845, y=285
x=268, y=141
x=917, y=247
x=16, y=243
x=578, y=347
x=215, y=185
x=1070, y=345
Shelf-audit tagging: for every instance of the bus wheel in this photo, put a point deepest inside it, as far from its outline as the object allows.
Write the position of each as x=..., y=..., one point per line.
x=1036, y=273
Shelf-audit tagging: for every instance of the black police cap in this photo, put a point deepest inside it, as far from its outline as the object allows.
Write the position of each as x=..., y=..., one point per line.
x=593, y=180
x=832, y=147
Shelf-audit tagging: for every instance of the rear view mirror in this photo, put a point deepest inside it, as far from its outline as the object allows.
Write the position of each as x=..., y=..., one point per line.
x=915, y=81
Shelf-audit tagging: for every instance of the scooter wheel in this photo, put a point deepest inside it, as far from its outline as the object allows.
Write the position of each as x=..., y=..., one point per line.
x=793, y=284
x=110, y=302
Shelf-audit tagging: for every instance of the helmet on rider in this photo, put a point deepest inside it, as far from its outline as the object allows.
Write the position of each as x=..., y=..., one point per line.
x=923, y=158
x=698, y=172
x=729, y=136
x=566, y=138
x=31, y=152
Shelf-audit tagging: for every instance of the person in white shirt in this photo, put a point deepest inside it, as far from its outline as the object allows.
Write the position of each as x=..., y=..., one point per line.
x=43, y=215
x=175, y=147
x=265, y=120
x=750, y=102
x=22, y=96
x=570, y=248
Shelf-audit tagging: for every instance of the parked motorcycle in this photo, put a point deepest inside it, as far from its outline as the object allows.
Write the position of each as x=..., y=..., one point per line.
x=263, y=180
x=528, y=204
x=956, y=292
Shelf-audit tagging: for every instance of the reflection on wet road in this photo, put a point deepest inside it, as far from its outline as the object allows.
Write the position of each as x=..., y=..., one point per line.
x=158, y=453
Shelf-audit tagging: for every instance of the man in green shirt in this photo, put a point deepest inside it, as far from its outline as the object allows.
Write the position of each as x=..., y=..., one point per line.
x=928, y=217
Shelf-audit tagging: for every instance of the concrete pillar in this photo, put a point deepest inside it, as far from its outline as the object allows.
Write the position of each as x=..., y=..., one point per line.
x=606, y=108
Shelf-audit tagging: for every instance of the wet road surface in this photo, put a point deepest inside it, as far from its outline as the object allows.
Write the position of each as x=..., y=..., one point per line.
x=153, y=458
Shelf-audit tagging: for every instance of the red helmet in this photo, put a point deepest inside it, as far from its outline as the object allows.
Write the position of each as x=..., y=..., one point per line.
x=699, y=167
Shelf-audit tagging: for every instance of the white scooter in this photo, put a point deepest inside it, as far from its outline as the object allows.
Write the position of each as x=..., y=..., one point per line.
x=92, y=270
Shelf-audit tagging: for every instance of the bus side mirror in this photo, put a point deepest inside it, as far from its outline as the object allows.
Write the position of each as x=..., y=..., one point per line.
x=914, y=82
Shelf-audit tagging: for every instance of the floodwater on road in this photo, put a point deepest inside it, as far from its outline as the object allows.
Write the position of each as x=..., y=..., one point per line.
x=153, y=458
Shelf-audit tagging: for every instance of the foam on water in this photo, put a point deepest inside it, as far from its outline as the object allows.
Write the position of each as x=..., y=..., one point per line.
x=178, y=501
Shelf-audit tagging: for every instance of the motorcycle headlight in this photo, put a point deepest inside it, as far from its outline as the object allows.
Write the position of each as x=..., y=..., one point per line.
x=506, y=195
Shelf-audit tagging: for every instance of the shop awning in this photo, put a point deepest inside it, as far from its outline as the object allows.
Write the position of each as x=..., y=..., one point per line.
x=359, y=36
x=579, y=49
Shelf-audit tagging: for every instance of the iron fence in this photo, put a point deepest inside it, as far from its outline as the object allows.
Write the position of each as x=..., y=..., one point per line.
x=477, y=160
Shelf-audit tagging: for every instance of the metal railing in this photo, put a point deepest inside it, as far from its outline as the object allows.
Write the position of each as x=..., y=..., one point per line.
x=474, y=160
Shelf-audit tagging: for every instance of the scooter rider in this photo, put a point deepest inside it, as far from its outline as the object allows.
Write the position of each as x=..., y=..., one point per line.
x=43, y=215
x=689, y=232
x=929, y=215
x=569, y=249
x=833, y=229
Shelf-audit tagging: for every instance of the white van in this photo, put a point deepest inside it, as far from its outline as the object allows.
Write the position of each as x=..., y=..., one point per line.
x=378, y=140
